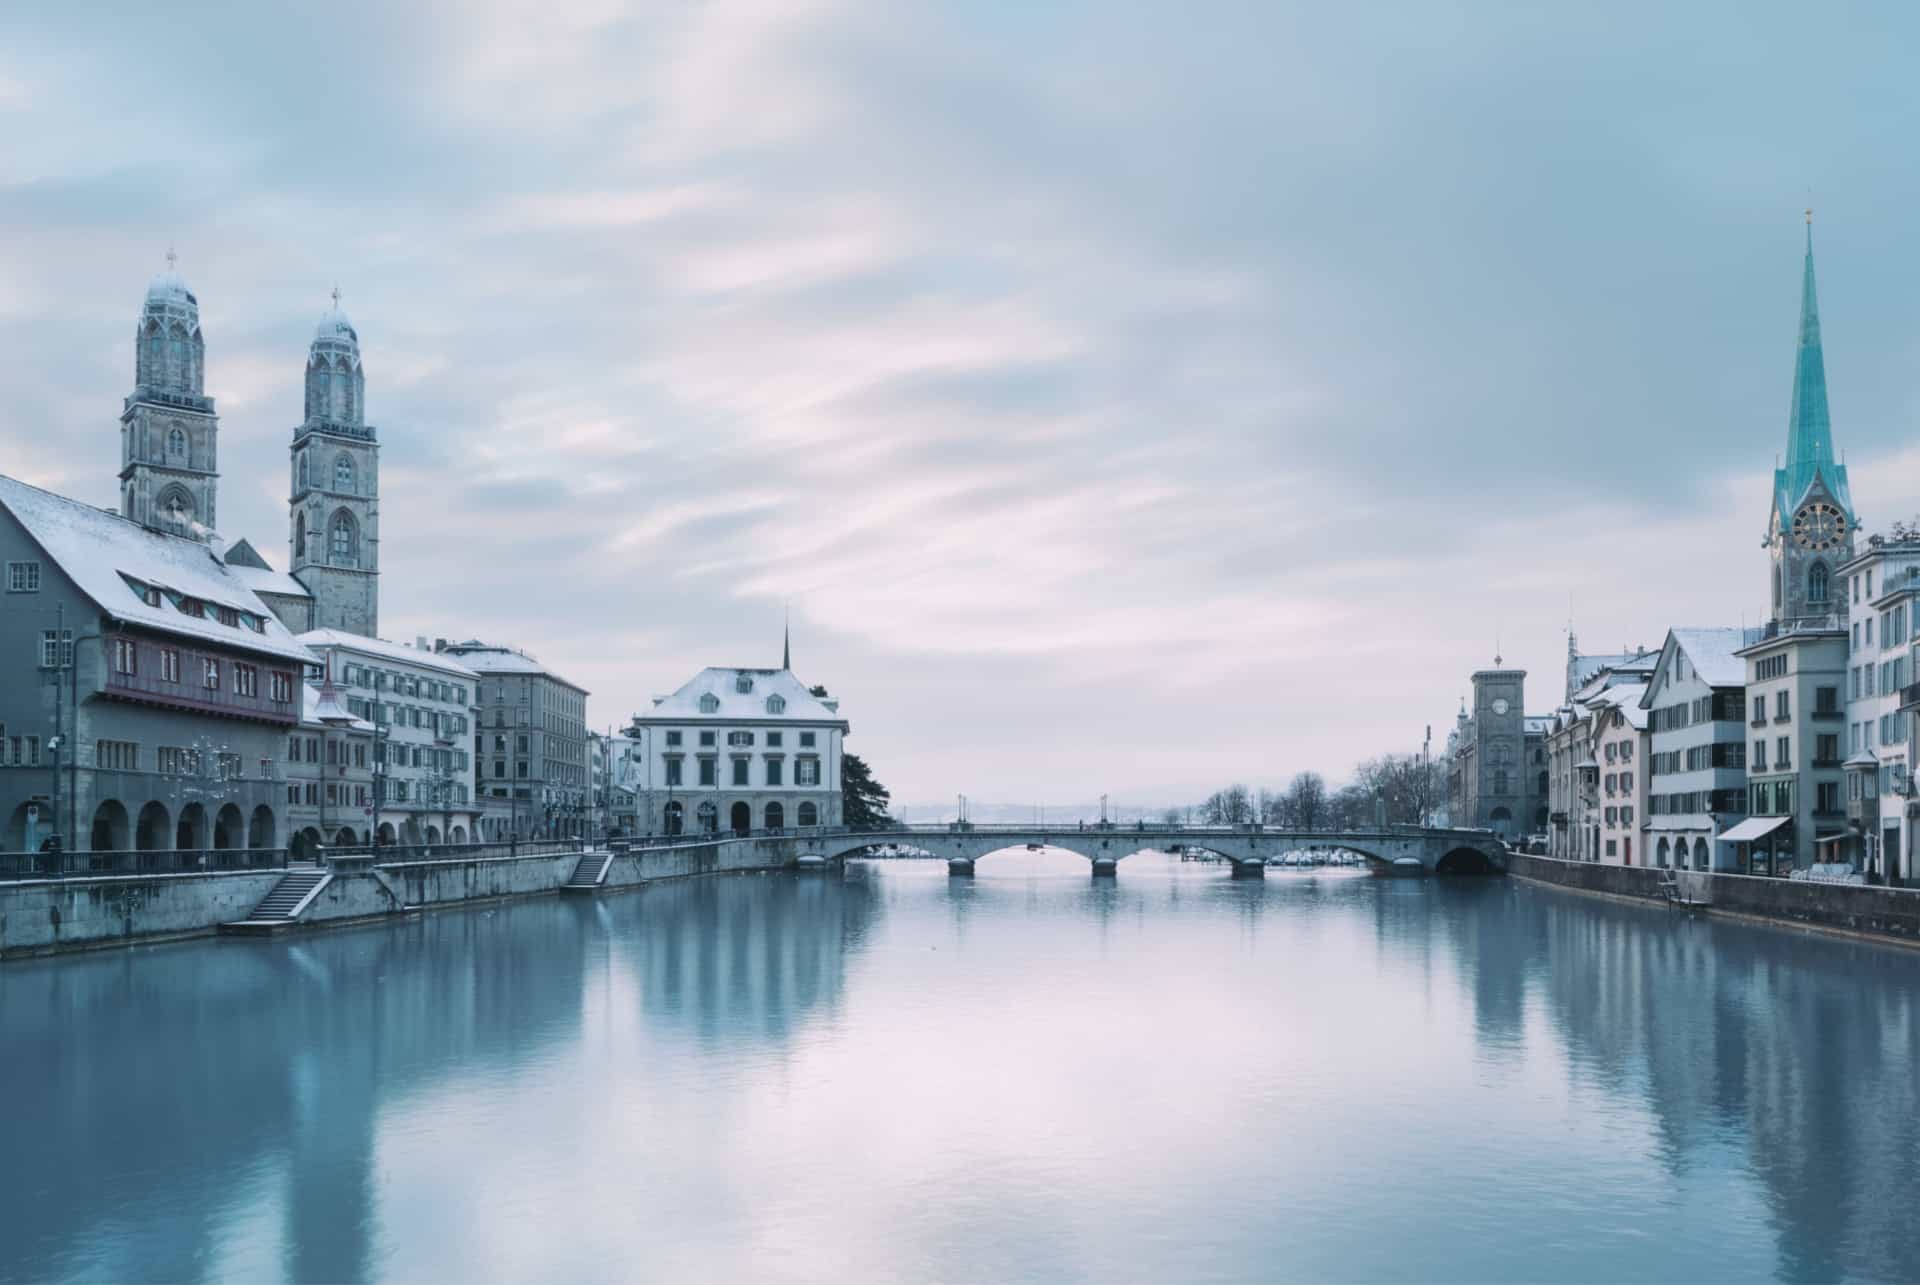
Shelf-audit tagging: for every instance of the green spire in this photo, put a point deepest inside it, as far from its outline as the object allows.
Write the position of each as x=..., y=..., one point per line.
x=1809, y=428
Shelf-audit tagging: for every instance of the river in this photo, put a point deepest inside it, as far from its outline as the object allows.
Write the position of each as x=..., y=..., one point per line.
x=1027, y=1076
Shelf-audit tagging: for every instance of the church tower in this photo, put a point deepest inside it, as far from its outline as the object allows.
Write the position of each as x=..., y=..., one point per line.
x=169, y=469
x=335, y=509
x=1811, y=527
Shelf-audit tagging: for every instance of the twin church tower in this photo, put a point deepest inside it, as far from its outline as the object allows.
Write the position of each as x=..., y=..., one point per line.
x=169, y=464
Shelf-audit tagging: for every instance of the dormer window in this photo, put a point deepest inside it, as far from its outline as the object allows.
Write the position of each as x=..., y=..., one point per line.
x=709, y=704
x=776, y=704
x=743, y=683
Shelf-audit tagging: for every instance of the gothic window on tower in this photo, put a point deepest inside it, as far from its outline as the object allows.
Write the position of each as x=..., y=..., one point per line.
x=303, y=470
x=1817, y=583
x=343, y=474
x=176, y=446
x=341, y=548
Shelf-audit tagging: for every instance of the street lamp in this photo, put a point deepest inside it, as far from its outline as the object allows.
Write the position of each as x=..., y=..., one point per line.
x=380, y=766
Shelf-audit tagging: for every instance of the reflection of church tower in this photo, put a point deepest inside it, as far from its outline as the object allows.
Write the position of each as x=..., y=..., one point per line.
x=1811, y=525
x=336, y=485
x=168, y=431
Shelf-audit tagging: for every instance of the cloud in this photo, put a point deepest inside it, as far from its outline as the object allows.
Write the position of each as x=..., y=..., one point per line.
x=1118, y=400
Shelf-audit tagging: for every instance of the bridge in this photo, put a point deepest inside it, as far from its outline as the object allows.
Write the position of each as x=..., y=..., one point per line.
x=1406, y=850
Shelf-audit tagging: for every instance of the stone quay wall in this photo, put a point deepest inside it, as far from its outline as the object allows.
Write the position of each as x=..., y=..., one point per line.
x=1892, y=914
x=39, y=917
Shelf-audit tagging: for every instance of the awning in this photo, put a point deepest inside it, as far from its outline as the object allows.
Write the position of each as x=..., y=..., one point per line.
x=1753, y=828
x=1841, y=837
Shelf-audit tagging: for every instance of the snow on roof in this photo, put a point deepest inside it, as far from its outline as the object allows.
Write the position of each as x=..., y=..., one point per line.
x=267, y=580
x=723, y=683
x=1711, y=653
x=315, y=710
x=98, y=550
x=492, y=658
x=398, y=652
x=1625, y=697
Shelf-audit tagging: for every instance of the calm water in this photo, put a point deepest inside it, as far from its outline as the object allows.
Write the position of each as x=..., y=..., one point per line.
x=1031, y=1076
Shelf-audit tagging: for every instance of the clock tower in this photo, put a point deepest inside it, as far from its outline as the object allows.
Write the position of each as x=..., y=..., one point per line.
x=1497, y=795
x=1811, y=526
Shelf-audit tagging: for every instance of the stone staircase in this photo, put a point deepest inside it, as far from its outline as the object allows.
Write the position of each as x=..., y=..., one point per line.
x=590, y=873
x=281, y=908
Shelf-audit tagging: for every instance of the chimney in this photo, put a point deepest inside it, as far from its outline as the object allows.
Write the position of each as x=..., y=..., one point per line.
x=420, y=642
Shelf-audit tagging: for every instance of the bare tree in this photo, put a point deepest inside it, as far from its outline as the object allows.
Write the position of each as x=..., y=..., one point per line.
x=1231, y=806
x=1407, y=787
x=1306, y=801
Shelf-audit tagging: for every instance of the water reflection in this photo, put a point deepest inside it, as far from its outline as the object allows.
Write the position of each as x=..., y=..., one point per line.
x=1027, y=1075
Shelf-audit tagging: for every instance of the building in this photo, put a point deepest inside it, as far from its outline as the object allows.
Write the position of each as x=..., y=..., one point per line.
x=164, y=689
x=329, y=774
x=1497, y=776
x=169, y=433
x=1575, y=811
x=334, y=513
x=1620, y=751
x=1696, y=753
x=530, y=743
x=422, y=708
x=1882, y=590
x=741, y=748
x=1797, y=665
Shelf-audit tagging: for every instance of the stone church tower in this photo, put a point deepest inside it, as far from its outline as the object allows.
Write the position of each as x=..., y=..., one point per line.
x=169, y=468
x=335, y=509
x=1811, y=526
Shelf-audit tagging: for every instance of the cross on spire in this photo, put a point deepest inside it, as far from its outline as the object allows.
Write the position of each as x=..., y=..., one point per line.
x=336, y=296
x=172, y=258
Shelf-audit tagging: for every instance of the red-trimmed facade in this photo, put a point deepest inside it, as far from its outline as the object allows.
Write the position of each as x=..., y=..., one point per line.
x=159, y=669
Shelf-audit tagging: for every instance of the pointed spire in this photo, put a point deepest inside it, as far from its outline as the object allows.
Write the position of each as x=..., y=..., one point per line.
x=1809, y=426
x=786, y=643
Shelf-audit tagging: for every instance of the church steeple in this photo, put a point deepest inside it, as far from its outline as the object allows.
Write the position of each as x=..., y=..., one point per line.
x=169, y=434
x=1809, y=427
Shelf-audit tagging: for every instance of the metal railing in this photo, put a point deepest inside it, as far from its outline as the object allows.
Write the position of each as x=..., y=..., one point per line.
x=68, y=865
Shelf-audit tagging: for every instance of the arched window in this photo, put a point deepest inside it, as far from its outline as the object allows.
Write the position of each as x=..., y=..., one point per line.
x=343, y=473
x=303, y=470
x=300, y=533
x=176, y=444
x=153, y=355
x=1817, y=583
x=342, y=540
x=809, y=814
x=709, y=816
x=776, y=704
x=709, y=704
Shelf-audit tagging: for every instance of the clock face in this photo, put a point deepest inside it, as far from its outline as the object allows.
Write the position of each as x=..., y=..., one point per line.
x=1500, y=705
x=1820, y=527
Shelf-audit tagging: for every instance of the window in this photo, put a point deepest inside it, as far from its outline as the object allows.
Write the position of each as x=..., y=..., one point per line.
x=740, y=771
x=210, y=674
x=673, y=738
x=23, y=577
x=1826, y=700
x=776, y=704
x=176, y=444
x=118, y=756
x=1759, y=756
x=673, y=772
x=1759, y=710
x=1782, y=758
x=1780, y=703
x=773, y=772
x=343, y=474
x=806, y=772
x=709, y=704
x=1817, y=584
x=739, y=738
x=1826, y=797
x=56, y=648
x=280, y=688
x=806, y=740
x=123, y=656
x=341, y=541
x=709, y=774
x=706, y=738
x=743, y=683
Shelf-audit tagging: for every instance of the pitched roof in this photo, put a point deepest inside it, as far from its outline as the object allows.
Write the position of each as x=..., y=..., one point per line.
x=247, y=563
x=97, y=550
x=496, y=658
x=723, y=683
x=1713, y=653
x=1625, y=697
x=399, y=652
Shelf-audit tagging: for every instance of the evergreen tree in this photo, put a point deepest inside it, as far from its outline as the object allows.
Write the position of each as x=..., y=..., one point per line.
x=863, y=800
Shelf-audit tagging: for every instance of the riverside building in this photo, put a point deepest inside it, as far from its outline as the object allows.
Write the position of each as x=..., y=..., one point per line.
x=1696, y=753
x=530, y=743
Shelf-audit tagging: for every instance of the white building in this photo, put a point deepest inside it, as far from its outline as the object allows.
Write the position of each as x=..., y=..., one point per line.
x=329, y=772
x=740, y=749
x=1696, y=759
x=421, y=704
x=1881, y=588
x=1620, y=752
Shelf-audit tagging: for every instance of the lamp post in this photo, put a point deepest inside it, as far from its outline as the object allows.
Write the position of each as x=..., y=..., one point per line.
x=380, y=766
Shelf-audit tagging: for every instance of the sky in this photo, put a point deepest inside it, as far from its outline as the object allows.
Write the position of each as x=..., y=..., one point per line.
x=1120, y=398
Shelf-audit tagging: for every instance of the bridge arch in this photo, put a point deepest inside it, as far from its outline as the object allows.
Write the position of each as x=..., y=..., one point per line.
x=1465, y=861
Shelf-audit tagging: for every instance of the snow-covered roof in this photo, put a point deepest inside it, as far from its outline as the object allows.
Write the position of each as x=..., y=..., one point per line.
x=334, y=325
x=100, y=551
x=171, y=287
x=316, y=708
x=1540, y=723
x=246, y=562
x=1625, y=697
x=723, y=683
x=398, y=652
x=492, y=658
x=1711, y=653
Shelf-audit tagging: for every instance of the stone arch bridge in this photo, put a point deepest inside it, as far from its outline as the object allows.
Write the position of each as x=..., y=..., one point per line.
x=1407, y=850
